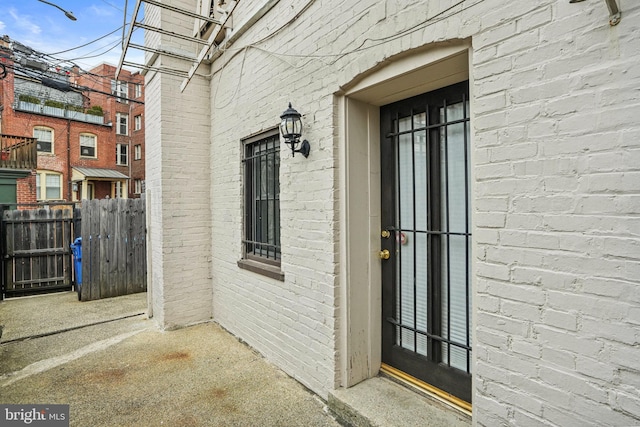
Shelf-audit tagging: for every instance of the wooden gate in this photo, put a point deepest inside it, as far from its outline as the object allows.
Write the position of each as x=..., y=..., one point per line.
x=114, y=255
x=36, y=252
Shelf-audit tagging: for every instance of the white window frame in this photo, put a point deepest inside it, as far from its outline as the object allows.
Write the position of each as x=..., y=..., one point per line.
x=137, y=152
x=84, y=146
x=119, y=190
x=137, y=122
x=44, y=129
x=41, y=190
x=122, y=120
x=121, y=90
x=122, y=150
x=137, y=88
x=137, y=184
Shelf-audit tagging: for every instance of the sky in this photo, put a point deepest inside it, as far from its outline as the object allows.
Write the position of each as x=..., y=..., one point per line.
x=46, y=29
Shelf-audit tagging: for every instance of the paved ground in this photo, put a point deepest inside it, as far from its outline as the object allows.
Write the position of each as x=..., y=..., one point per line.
x=115, y=368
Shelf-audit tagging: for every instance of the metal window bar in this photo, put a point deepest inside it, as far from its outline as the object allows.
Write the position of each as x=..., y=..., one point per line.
x=427, y=127
x=398, y=272
x=445, y=177
x=429, y=335
x=430, y=233
x=274, y=177
x=413, y=234
x=467, y=225
x=260, y=197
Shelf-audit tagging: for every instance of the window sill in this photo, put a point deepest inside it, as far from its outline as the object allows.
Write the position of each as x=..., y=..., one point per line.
x=261, y=268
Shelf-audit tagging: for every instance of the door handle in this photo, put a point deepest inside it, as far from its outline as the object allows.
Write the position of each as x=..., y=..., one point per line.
x=384, y=254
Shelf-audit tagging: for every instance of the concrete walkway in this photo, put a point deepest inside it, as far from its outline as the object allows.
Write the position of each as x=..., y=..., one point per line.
x=115, y=368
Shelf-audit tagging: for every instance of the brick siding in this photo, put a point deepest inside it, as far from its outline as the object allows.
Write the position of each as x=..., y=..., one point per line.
x=556, y=149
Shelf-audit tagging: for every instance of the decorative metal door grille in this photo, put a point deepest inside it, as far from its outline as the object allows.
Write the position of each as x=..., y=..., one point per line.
x=425, y=163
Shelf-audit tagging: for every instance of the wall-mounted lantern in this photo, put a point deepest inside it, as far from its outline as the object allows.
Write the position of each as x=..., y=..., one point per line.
x=291, y=130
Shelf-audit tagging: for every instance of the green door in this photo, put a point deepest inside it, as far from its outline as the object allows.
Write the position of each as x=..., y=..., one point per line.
x=8, y=195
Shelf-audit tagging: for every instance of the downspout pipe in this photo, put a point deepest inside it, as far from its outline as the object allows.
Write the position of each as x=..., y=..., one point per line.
x=69, y=184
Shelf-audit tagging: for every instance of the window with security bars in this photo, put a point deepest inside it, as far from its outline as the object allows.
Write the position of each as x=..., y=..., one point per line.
x=262, y=198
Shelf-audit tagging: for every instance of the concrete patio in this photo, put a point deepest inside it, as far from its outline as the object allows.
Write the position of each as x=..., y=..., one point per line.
x=115, y=368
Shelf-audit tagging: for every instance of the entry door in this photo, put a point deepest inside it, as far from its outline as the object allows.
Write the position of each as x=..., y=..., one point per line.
x=426, y=229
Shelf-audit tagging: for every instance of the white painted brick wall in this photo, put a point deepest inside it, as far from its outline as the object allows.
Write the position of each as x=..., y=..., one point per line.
x=564, y=261
x=556, y=195
x=177, y=176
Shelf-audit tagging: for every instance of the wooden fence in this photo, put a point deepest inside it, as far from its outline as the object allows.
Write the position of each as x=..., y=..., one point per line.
x=35, y=248
x=114, y=258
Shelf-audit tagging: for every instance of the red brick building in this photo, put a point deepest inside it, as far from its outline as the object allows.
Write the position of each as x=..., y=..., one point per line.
x=123, y=103
x=89, y=128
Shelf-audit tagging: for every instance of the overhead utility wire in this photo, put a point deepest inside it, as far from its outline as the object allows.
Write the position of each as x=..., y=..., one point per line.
x=428, y=22
x=36, y=75
x=117, y=43
x=86, y=44
x=424, y=24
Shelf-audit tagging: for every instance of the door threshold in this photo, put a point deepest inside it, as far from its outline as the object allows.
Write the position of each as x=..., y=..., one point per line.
x=382, y=401
x=425, y=388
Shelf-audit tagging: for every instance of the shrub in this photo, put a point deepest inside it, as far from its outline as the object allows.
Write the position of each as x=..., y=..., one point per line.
x=29, y=98
x=74, y=108
x=52, y=103
x=95, y=110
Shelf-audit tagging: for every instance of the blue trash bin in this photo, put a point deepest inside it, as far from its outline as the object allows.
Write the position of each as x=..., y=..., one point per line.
x=76, y=250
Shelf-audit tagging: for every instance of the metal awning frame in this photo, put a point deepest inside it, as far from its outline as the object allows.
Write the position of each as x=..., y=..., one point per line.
x=207, y=45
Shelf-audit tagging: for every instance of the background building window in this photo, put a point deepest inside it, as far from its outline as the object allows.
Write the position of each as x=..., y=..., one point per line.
x=138, y=186
x=122, y=124
x=121, y=90
x=45, y=139
x=119, y=189
x=48, y=185
x=137, y=122
x=88, y=145
x=262, y=198
x=137, y=152
x=122, y=154
x=137, y=90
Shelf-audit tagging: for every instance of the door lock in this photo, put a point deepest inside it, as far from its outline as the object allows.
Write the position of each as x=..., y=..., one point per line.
x=385, y=233
x=384, y=254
